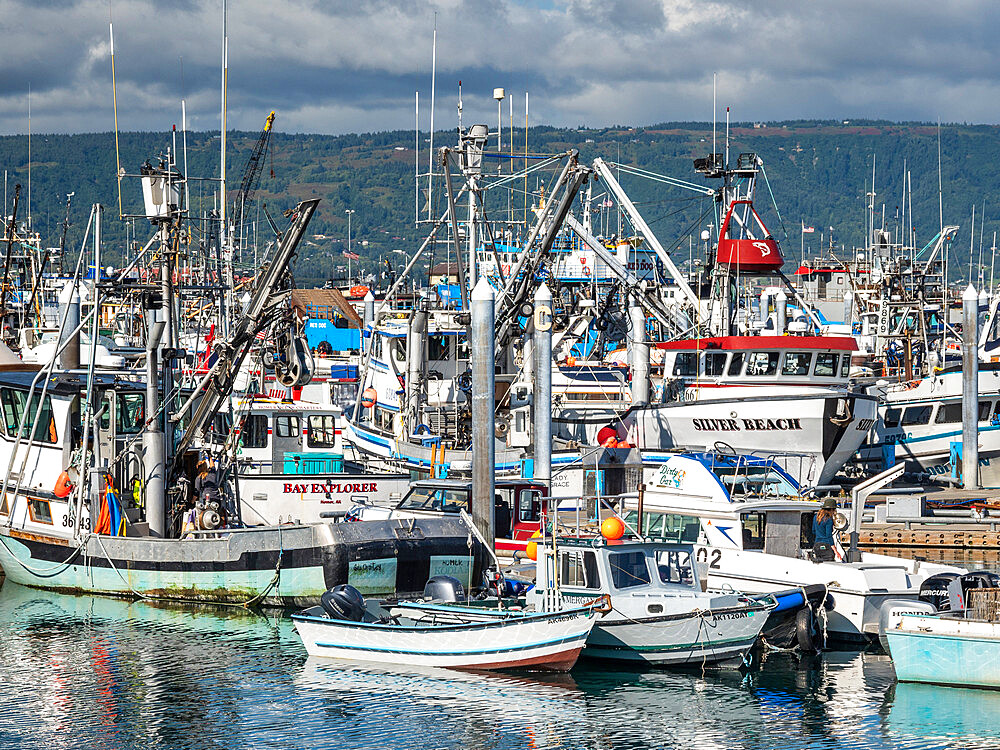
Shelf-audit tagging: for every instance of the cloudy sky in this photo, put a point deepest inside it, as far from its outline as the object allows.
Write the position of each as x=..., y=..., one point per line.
x=334, y=66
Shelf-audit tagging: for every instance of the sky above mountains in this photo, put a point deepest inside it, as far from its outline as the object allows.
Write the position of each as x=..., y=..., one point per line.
x=335, y=66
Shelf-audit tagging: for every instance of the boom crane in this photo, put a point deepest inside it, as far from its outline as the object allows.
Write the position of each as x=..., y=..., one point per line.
x=251, y=175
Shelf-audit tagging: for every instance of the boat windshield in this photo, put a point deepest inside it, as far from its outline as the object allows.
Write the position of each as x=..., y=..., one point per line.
x=435, y=498
x=754, y=480
x=674, y=566
x=628, y=569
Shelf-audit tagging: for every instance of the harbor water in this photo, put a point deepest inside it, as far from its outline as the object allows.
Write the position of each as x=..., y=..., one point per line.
x=93, y=672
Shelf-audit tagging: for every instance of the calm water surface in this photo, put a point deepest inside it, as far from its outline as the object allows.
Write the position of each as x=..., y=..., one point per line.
x=90, y=672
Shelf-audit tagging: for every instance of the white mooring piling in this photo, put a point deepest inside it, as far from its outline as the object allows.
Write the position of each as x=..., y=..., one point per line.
x=639, y=359
x=970, y=389
x=542, y=384
x=483, y=419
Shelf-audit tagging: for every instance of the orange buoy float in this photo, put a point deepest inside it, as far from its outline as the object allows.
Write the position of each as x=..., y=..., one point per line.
x=63, y=485
x=571, y=361
x=532, y=549
x=606, y=433
x=368, y=397
x=358, y=291
x=612, y=528
x=611, y=442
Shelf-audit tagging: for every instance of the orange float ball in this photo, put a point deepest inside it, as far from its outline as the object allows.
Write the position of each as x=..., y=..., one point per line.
x=612, y=528
x=532, y=549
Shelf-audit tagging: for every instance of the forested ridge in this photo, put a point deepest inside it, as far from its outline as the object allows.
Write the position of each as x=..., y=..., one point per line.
x=819, y=173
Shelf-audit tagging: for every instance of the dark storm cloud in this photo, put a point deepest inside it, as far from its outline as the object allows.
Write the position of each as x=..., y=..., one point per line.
x=343, y=65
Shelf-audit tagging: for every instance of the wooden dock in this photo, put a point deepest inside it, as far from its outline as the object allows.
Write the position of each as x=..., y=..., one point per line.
x=955, y=529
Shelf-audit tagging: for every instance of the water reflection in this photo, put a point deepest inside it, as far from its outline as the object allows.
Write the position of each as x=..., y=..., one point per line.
x=102, y=673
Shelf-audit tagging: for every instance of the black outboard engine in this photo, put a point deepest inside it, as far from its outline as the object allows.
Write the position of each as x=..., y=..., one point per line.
x=978, y=579
x=934, y=590
x=444, y=589
x=344, y=602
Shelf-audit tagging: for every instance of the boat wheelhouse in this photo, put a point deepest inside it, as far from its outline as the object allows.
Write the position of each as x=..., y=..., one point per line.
x=783, y=396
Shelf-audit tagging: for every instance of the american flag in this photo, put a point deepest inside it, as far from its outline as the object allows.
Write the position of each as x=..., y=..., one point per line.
x=807, y=230
x=352, y=256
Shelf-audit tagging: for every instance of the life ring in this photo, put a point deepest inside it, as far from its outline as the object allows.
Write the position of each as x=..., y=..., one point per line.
x=368, y=397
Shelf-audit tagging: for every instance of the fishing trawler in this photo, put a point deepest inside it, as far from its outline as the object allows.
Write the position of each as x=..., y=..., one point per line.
x=173, y=529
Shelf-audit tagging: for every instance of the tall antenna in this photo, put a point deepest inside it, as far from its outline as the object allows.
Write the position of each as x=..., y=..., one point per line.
x=114, y=99
x=223, y=243
x=29, y=157
x=416, y=160
x=430, y=151
x=940, y=199
x=715, y=118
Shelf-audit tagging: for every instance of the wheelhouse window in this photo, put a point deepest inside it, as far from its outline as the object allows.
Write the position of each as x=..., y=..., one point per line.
x=951, y=413
x=715, y=363
x=670, y=527
x=431, y=498
x=131, y=413
x=736, y=364
x=826, y=365
x=4, y=507
x=439, y=348
x=529, y=505
x=321, y=432
x=845, y=365
x=286, y=426
x=762, y=364
x=40, y=511
x=686, y=364
x=13, y=405
x=578, y=569
x=891, y=418
x=253, y=431
x=754, y=526
x=796, y=363
x=674, y=566
x=628, y=569
x=917, y=415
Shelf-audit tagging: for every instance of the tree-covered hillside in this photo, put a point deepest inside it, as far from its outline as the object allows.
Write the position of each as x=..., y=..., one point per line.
x=819, y=174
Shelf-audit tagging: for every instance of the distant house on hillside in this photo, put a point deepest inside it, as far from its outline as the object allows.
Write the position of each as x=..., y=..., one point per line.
x=444, y=273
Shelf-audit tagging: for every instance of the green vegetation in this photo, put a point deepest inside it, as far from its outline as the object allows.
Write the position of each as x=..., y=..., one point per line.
x=819, y=172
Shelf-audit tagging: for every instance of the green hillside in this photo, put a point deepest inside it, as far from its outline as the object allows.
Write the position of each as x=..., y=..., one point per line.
x=819, y=173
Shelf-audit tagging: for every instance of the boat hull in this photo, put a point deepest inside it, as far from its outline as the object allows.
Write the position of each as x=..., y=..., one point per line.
x=693, y=638
x=278, y=566
x=946, y=651
x=802, y=433
x=540, y=641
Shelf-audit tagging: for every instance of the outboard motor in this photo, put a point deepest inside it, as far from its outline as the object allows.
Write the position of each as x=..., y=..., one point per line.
x=444, y=589
x=934, y=591
x=892, y=611
x=344, y=602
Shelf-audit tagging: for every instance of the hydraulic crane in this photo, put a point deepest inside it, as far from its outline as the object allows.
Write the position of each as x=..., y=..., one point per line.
x=251, y=176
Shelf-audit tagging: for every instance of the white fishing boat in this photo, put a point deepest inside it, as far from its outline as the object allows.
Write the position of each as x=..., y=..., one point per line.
x=659, y=612
x=753, y=530
x=959, y=648
x=443, y=634
x=786, y=396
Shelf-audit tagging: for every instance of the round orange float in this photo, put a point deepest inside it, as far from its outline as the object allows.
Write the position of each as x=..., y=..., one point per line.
x=612, y=528
x=369, y=397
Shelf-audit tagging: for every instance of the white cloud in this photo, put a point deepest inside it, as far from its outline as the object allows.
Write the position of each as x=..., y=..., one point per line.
x=335, y=65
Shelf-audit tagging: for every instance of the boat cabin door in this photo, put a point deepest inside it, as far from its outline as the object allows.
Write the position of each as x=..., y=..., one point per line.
x=286, y=437
x=121, y=421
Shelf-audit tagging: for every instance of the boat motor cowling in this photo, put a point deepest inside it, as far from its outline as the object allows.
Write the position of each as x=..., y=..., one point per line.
x=934, y=590
x=444, y=589
x=344, y=602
